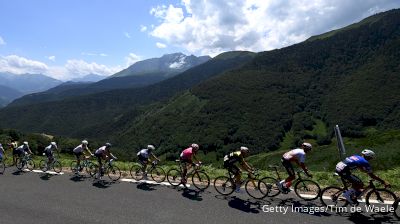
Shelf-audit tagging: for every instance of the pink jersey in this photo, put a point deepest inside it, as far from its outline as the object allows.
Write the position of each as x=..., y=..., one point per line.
x=187, y=153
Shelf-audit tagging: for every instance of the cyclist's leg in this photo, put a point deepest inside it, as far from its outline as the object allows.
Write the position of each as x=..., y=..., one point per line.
x=290, y=170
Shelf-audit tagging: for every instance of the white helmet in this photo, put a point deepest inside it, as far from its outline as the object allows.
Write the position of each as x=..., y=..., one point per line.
x=307, y=145
x=84, y=142
x=54, y=144
x=368, y=153
x=244, y=149
x=195, y=146
x=26, y=143
x=151, y=147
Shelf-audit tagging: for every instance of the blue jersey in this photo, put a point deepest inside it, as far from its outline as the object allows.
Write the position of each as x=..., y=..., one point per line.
x=356, y=161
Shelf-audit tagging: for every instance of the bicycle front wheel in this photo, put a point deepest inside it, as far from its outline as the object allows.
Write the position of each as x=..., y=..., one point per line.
x=30, y=164
x=256, y=188
x=333, y=197
x=43, y=165
x=136, y=172
x=379, y=198
x=271, y=188
x=174, y=177
x=57, y=167
x=307, y=190
x=201, y=180
x=158, y=174
x=74, y=166
x=91, y=168
x=224, y=185
x=2, y=167
x=114, y=173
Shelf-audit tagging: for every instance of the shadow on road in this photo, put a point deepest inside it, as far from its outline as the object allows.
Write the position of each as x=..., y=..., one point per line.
x=360, y=218
x=45, y=176
x=102, y=184
x=245, y=206
x=17, y=172
x=146, y=187
x=194, y=195
x=78, y=178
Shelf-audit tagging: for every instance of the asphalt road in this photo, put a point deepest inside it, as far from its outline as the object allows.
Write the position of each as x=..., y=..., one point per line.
x=60, y=199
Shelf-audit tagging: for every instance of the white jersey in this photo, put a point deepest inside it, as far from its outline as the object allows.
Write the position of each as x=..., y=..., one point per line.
x=79, y=148
x=101, y=150
x=295, y=154
x=48, y=148
x=144, y=153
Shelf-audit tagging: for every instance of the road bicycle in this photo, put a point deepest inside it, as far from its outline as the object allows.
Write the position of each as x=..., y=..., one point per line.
x=226, y=185
x=111, y=170
x=157, y=173
x=86, y=164
x=305, y=189
x=25, y=162
x=46, y=165
x=200, y=179
x=396, y=206
x=333, y=195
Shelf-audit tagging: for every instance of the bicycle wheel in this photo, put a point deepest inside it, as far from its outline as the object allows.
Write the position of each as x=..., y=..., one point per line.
x=30, y=164
x=201, y=180
x=74, y=166
x=396, y=206
x=174, y=177
x=113, y=172
x=271, y=189
x=224, y=185
x=57, y=167
x=158, y=174
x=2, y=167
x=91, y=168
x=136, y=172
x=253, y=186
x=333, y=197
x=307, y=190
x=43, y=165
x=379, y=198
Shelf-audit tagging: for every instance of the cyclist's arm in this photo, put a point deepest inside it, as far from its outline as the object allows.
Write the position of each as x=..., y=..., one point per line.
x=88, y=150
x=195, y=158
x=373, y=176
x=111, y=155
x=154, y=157
x=29, y=150
x=246, y=166
x=304, y=167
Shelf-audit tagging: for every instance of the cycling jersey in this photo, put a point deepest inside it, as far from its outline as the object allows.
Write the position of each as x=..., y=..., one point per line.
x=295, y=154
x=48, y=151
x=100, y=151
x=144, y=153
x=234, y=157
x=187, y=154
x=79, y=149
x=353, y=162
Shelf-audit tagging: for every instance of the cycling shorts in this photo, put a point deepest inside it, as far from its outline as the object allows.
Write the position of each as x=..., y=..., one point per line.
x=288, y=166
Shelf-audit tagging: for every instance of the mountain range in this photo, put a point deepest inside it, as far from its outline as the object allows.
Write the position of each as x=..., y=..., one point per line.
x=347, y=76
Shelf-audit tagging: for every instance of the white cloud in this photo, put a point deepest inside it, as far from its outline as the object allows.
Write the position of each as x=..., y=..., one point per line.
x=161, y=45
x=127, y=35
x=20, y=65
x=2, y=42
x=94, y=54
x=211, y=27
x=132, y=59
x=143, y=28
x=78, y=68
x=52, y=58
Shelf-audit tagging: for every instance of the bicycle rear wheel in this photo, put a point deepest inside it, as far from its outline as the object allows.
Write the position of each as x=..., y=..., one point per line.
x=307, y=190
x=174, y=177
x=57, y=167
x=43, y=165
x=332, y=197
x=30, y=164
x=74, y=166
x=114, y=173
x=2, y=167
x=224, y=185
x=256, y=188
x=201, y=180
x=380, y=197
x=90, y=168
x=158, y=174
x=271, y=189
x=136, y=172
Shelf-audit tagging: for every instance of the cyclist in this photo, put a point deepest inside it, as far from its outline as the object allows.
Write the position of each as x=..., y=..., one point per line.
x=2, y=152
x=297, y=156
x=103, y=153
x=146, y=156
x=23, y=149
x=353, y=162
x=186, y=159
x=14, y=146
x=230, y=161
x=48, y=151
x=79, y=151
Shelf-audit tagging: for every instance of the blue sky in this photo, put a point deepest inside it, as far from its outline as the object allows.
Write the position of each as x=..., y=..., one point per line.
x=71, y=38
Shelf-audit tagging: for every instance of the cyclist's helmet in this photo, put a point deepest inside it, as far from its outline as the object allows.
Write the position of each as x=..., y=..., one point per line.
x=151, y=147
x=368, y=153
x=306, y=146
x=84, y=142
x=26, y=143
x=108, y=145
x=54, y=144
x=195, y=146
x=244, y=149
